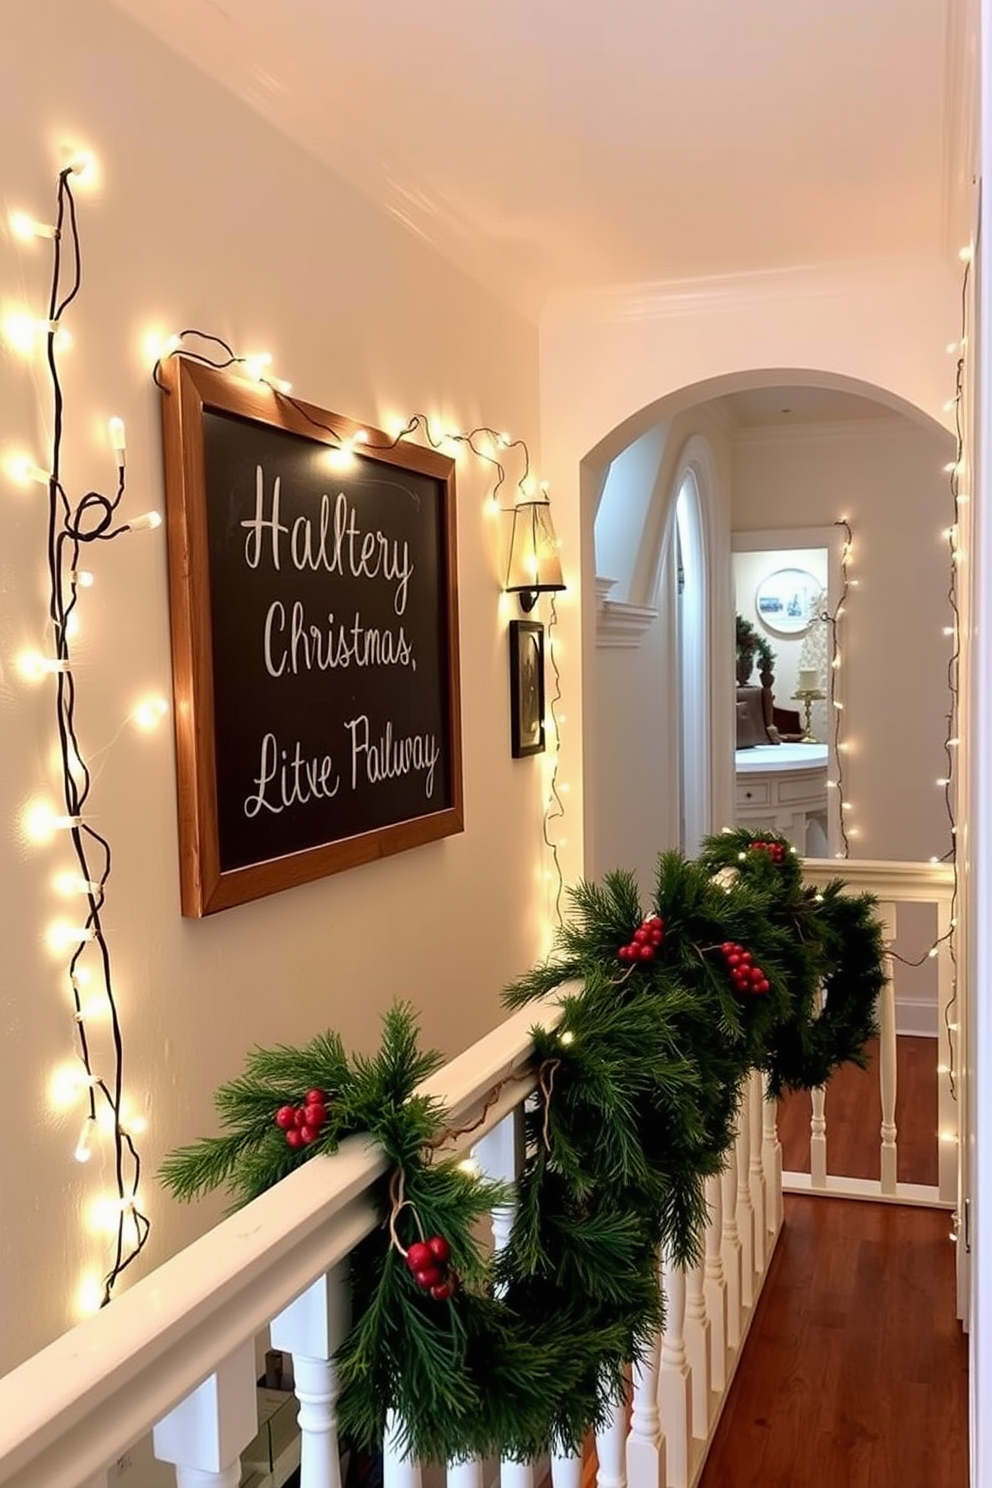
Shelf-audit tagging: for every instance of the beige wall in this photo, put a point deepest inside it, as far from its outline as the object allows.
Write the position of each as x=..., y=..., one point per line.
x=203, y=216
x=886, y=477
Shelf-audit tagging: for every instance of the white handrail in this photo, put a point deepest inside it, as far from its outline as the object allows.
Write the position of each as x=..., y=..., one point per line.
x=911, y=883
x=70, y=1409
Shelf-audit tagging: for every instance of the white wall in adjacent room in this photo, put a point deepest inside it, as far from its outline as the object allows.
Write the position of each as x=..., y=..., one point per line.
x=203, y=216
x=886, y=476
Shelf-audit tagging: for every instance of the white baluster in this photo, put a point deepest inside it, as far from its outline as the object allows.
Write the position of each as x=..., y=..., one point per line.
x=715, y=1287
x=312, y=1329
x=516, y=1474
x=731, y=1247
x=673, y=1380
x=610, y=1442
x=756, y=1171
x=697, y=1348
x=500, y=1155
x=771, y=1155
x=646, y=1455
x=818, y=1137
x=397, y=1471
x=745, y=1214
x=887, y=1056
x=206, y=1433
x=566, y=1469
x=465, y=1474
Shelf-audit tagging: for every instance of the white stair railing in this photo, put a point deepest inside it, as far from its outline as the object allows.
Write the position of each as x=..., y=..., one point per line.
x=175, y=1355
x=893, y=884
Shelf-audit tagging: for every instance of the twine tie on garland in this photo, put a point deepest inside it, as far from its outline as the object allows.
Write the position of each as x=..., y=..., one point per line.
x=546, y=1084
x=526, y=1351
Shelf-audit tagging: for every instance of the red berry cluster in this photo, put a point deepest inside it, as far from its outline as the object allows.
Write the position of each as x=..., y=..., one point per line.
x=646, y=940
x=302, y=1123
x=775, y=850
x=745, y=976
x=428, y=1260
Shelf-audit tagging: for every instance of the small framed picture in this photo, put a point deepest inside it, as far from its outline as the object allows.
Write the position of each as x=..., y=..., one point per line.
x=526, y=688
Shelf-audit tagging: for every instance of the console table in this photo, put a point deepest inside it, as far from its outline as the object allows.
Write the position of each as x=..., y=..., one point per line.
x=784, y=787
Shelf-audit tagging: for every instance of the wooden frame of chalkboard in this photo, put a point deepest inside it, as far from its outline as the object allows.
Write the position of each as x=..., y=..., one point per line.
x=526, y=688
x=314, y=618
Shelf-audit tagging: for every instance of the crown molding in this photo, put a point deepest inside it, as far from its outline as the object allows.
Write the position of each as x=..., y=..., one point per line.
x=622, y=624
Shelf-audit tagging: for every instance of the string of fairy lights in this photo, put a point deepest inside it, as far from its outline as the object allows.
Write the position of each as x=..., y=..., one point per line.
x=833, y=619
x=95, y=1075
x=490, y=445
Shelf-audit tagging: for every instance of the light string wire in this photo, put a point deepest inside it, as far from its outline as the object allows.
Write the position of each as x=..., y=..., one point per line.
x=70, y=527
x=948, y=782
x=554, y=806
x=833, y=619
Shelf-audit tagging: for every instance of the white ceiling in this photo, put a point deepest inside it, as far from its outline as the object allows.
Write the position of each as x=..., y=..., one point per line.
x=557, y=144
x=784, y=406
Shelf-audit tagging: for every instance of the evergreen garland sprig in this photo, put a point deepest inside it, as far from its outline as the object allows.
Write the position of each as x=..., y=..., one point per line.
x=638, y=1088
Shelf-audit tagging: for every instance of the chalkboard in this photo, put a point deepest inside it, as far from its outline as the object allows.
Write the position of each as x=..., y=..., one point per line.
x=314, y=639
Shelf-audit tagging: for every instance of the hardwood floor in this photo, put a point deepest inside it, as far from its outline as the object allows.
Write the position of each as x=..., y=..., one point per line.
x=855, y=1370
x=854, y=1374
x=854, y=1113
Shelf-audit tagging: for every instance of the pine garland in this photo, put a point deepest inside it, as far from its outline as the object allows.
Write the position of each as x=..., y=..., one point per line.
x=639, y=1088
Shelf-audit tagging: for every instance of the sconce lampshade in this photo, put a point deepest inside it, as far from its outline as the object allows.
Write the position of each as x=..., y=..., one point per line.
x=533, y=566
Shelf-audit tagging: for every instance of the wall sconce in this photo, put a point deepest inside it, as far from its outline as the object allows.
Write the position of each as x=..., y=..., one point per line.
x=533, y=566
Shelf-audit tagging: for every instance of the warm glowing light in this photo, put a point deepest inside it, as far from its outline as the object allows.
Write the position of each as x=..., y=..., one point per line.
x=83, y=166
x=257, y=364
x=942, y=780
x=19, y=331
x=147, y=522
x=89, y=1294
x=81, y=577
x=118, y=442
x=341, y=458
x=73, y=883
x=568, y=1037
x=158, y=348
x=966, y=253
x=22, y=470
x=67, y=1084
x=32, y=666
x=278, y=384
x=148, y=714
x=470, y=1165
x=24, y=226
x=84, y=1143
x=62, y=937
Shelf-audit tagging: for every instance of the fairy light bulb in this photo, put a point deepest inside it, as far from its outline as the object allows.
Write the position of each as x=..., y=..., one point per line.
x=147, y=522
x=148, y=714
x=84, y=1142
x=26, y=228
x=73, y=883
x=81, y=578
x=22, y=470
x=118, y=442
x=257, y=364
x=82, y=165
